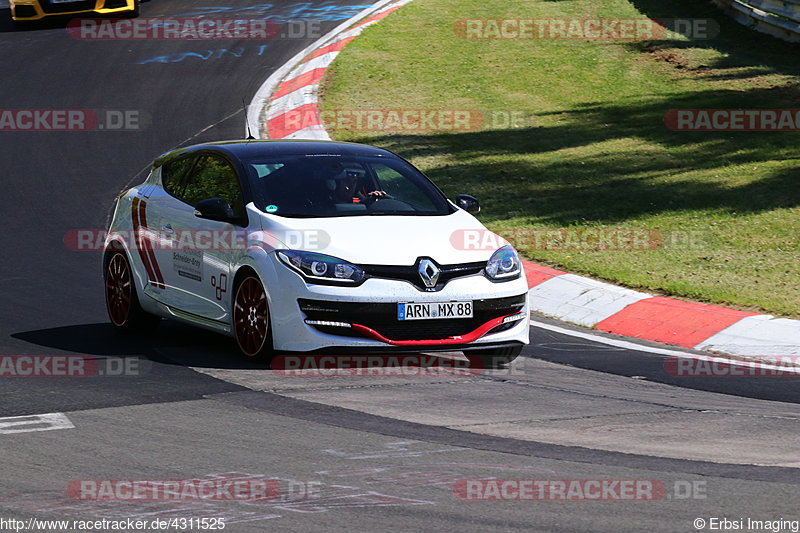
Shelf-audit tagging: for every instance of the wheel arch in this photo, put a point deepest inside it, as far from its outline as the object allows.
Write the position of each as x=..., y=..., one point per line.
x=117, y=244
x=240, y=274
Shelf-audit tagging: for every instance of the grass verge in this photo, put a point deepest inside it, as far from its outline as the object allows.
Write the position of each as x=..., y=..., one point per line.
x=589, y=149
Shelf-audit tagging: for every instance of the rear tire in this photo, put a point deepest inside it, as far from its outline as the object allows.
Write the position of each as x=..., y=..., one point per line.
x=122, y=302
x=251, y=319
x=493, y=358
x=134, y=12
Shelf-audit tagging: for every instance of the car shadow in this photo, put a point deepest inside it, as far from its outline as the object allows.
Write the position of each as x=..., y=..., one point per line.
x=173, y=343
x=53, y=22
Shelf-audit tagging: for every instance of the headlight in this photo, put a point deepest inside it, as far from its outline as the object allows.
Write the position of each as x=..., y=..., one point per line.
x=504, y=264
x=319, y=267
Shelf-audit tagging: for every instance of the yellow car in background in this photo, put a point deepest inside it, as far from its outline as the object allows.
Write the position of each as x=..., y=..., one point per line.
x=27, y=10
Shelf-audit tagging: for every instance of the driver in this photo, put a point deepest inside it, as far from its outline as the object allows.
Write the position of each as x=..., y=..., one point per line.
x=345, y=188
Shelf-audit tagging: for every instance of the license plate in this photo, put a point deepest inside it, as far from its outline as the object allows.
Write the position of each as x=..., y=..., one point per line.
x=430, y=311
x=64, y=1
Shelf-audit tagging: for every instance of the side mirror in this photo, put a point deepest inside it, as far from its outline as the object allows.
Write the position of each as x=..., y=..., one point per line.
x=468, y=203
x=215, y=209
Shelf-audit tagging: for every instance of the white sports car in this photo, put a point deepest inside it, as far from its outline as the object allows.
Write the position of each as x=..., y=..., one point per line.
x=308, y=246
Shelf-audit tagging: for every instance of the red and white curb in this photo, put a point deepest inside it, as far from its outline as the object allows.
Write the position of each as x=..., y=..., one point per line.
x=286, y=105
x=293, y=88
x=622, y=311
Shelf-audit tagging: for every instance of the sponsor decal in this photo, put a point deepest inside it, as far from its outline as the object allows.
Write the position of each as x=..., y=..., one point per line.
x=221, y=286
x=188, y=264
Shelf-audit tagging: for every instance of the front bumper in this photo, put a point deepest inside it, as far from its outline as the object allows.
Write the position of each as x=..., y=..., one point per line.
x=500, y=316
x=22, y=10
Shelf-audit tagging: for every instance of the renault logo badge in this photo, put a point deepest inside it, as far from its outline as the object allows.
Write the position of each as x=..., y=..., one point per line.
x=429, y=273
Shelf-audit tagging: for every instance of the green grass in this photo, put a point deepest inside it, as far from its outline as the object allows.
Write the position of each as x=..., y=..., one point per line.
x=591, y=150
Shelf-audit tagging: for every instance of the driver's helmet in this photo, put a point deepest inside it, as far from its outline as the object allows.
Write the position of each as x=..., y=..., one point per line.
x=350, y=174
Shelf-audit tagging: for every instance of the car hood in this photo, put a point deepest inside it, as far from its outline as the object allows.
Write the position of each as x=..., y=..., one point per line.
x=387, y=240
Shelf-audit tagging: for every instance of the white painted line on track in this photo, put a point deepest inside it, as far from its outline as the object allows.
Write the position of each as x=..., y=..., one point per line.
x=627, y=345
x=27, y=424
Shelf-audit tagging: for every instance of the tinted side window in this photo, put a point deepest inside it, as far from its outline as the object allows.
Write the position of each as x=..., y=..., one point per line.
x=172, y=174
x=213, y=177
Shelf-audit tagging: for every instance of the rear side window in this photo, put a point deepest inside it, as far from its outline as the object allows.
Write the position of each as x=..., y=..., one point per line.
x=172, y=175
x=213, y=177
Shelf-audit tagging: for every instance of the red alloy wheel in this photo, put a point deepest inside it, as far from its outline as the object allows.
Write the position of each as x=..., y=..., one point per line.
x=118, y=290
x=251, y=316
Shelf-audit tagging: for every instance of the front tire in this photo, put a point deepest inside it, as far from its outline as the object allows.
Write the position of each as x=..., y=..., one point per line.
x=122, y=302
x=251, y=320
x=493, y=358
x=21, y=25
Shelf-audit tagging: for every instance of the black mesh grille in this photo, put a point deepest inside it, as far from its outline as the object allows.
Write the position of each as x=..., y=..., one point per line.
x=23, y=11
x=382, y=317
x=83, y=5
x=114, y=4
x=411, y=273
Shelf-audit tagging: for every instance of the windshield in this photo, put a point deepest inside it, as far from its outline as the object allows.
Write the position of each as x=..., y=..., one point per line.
x=336, y=186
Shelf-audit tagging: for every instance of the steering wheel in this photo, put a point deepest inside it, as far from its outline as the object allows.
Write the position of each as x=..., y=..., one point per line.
x=384, y=196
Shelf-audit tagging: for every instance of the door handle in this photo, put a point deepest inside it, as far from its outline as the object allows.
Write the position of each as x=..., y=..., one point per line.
x=167, y=231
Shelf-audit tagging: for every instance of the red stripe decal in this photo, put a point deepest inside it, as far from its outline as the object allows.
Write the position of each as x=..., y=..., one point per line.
x=139, y=241
x=159, y=279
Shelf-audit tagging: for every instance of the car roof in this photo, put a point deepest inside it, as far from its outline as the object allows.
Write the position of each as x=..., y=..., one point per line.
x=248, y=149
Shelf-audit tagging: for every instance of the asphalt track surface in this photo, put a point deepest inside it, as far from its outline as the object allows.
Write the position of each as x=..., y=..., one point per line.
x=386, y=452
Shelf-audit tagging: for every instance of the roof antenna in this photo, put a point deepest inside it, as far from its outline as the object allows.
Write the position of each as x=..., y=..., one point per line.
x=247, y=122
